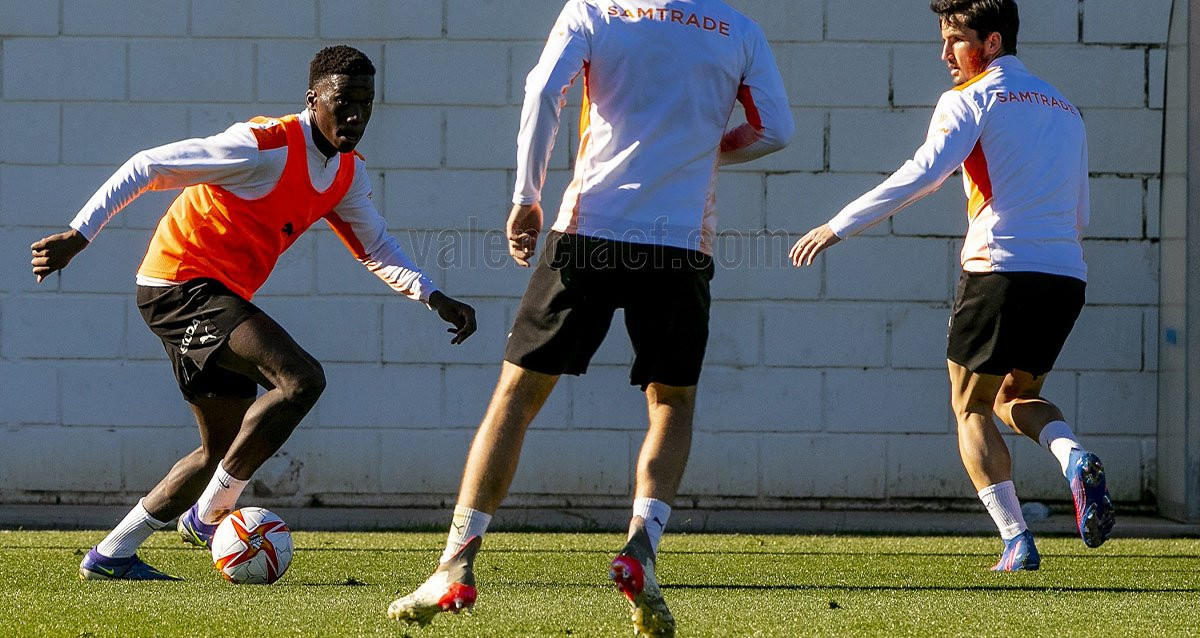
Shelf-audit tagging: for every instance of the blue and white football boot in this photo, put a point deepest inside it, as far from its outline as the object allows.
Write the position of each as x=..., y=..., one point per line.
x=97, y=566
x=1093, y=509
x=1020, y=554
x=194, y=531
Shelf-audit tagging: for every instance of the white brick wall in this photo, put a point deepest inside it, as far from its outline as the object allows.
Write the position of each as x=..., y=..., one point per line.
x=822, y=383
x=155, y=18
x=1117, y=22
x=64, y=69
x=36, y=141
x=22, y=18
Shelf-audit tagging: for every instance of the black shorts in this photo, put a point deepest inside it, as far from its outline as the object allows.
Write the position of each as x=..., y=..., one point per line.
x=578, y=284
x=194, y=319
x=1005, y=321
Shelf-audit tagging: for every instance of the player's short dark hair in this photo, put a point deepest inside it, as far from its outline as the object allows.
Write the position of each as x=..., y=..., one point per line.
x=983, y=17
x=338, y=60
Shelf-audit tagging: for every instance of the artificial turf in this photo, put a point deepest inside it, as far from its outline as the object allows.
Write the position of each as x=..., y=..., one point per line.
x=540, y=584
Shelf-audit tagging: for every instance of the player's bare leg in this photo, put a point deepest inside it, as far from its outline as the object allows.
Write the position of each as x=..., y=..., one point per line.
x=986, y=459
x=218, y=420
x=661, y=463
x=1020, y=405
x=664, y=454
x=114, y=557
x=984, y=452
x=259, y=349
x=491, y=465
x=496, y=449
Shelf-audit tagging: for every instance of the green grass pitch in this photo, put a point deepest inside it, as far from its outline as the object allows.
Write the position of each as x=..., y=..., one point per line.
x=541, y=584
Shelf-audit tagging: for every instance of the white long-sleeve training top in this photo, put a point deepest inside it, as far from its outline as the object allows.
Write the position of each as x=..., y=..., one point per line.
x=661, y=78
x=233, y=161
x=1023, y=151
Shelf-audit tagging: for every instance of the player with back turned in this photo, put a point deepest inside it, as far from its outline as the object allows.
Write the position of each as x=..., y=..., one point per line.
x=635, y=231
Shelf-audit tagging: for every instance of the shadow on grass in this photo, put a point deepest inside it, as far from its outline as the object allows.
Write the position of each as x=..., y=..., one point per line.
x=1048, y=589
x=610, y=551
x=348, y=582
x=818, y=587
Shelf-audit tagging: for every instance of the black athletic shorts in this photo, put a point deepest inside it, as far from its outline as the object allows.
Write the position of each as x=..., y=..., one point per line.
x=1005, y=321
x=578, y=284
x=194, y=319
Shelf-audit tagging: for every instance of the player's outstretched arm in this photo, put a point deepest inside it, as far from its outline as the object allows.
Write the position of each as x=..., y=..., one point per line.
x=461, y=315
x=524, y=225
x=55, y=252
x=811, y=245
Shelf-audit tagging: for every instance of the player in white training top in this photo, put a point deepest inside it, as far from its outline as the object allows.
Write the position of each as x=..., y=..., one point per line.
x=1023, y=153
x=660, y=81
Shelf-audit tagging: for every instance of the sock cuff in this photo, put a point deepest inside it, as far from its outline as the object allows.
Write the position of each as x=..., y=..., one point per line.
x=644, y=506
x=154, y=523
x=998, y=488
x=226, y=478
x=1055, y=430
x=467, y=513
x=1004, y=507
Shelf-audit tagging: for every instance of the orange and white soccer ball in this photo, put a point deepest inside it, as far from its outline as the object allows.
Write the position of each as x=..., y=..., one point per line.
x=252, y=546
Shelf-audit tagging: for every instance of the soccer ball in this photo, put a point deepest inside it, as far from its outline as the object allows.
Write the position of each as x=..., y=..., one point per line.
x=252, y=546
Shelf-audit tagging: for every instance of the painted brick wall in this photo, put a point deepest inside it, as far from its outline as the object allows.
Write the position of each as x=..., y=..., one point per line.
x=821, y=384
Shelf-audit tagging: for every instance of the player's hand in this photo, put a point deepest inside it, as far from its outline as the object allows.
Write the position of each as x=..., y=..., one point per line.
x=811, y=245
x=454, y=312
x=524, y=224
x=55, y=252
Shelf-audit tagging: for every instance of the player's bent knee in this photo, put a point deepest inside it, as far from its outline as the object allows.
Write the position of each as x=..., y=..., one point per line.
x=968, y=405
x=210, y=457
x=304, y=387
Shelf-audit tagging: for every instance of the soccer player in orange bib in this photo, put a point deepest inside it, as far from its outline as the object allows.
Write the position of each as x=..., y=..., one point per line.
x=249, y=193
x=1023, y=153
x=635, y=231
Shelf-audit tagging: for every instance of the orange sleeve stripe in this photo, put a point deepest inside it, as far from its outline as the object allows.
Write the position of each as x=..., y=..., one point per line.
x=976, y=168
x=269, y=132
x=346, y=234
x=585, y=111
x=747, y=99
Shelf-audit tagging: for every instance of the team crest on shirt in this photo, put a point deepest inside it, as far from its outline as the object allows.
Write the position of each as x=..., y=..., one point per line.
x=288, y=229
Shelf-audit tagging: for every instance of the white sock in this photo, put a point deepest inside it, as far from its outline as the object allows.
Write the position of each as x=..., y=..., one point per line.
x=1060, y=440
x=655, y=513
x=130, y=533
x=1001, y=502
x=220, y=497
x=467, y=524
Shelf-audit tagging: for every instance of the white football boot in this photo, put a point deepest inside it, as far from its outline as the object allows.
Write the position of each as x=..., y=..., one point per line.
x=451, y=588
x=633, y=573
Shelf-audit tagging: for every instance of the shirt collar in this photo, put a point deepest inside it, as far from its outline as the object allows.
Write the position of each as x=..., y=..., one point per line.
x=305, y=118
x=1007, y=62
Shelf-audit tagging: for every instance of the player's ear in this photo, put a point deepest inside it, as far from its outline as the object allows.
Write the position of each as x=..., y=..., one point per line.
x=310, y=99
x=995, y=43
